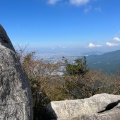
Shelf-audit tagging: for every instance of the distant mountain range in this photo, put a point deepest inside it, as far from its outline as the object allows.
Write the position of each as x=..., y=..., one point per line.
x=107, y=62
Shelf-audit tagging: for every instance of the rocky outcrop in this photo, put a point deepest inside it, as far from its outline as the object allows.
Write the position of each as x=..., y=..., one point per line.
x=15, y=92
x=98, y=107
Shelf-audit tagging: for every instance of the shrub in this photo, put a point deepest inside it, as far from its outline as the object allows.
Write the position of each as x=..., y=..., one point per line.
x=77, y=82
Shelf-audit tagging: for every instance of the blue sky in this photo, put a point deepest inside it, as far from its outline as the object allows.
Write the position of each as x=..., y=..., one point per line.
x=62, y=24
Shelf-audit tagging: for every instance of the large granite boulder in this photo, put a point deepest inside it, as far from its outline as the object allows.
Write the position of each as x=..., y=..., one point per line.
x=98, y=107
x=15, y=91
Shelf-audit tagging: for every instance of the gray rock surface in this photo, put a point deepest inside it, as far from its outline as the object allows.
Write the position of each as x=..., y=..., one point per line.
x=15, y=91
x=86, y=109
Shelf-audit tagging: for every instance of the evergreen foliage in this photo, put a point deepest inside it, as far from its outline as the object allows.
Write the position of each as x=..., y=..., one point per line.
x=77, y=68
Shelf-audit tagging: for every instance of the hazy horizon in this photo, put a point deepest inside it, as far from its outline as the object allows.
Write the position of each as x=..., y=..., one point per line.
x=62, y=25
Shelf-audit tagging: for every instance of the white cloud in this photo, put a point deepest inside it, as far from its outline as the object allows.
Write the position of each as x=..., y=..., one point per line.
x=111, y=44
x=78, y=2
x=98, y=9
x=53, y=48
x=86, y=10
x=91, y=45
x=63, y=47
x=52, y=1
x=116, y=38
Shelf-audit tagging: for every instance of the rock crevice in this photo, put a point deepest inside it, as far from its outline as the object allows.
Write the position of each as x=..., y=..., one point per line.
x=98, y=107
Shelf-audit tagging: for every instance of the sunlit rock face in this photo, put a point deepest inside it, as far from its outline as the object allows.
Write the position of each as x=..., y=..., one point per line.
x=15, y=91
x=98, y=107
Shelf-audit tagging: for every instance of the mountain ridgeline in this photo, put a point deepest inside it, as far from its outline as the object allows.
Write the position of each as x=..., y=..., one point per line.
x=107, y=62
